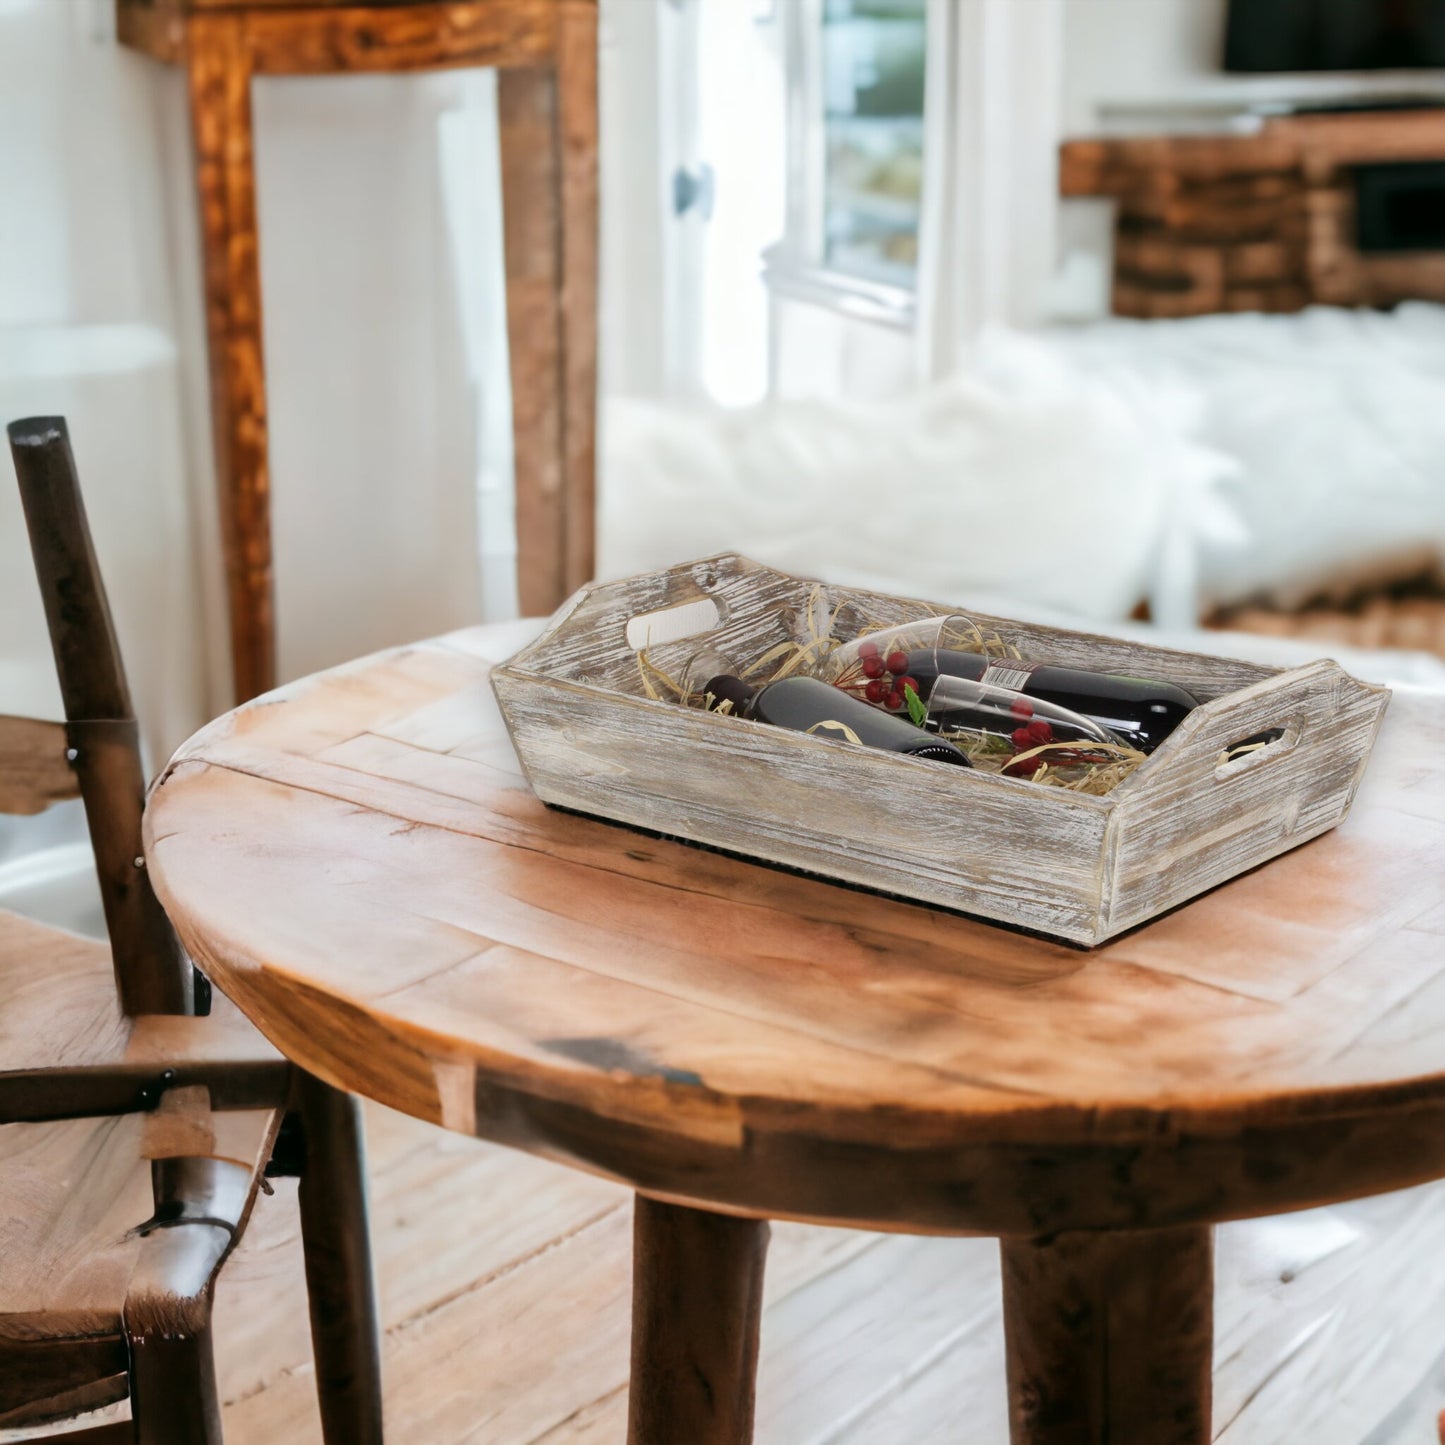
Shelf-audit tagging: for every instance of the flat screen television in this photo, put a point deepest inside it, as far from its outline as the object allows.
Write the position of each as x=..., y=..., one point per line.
x=1271, y=35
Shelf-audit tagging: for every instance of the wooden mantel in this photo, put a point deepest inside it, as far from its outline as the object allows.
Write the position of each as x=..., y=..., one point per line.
x=546, y=51
x=1256, y=221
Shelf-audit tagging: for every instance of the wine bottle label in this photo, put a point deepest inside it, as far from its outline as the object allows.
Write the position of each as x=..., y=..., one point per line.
x=1010, y=673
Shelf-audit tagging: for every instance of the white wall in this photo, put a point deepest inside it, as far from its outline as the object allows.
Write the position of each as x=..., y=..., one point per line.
x=821, y=352
x=373, y=418
x=1169, y=53
x=1135, y=51
x=87, y=330
x=379, y=213
x=631, y=120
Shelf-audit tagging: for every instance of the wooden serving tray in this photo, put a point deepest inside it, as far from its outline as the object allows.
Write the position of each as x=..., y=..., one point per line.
x=1073, y=866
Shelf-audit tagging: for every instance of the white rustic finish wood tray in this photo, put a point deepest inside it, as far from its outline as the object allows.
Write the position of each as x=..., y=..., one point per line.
x=1073, y=866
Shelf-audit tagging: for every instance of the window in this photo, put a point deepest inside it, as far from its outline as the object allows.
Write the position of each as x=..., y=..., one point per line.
x=872, y=60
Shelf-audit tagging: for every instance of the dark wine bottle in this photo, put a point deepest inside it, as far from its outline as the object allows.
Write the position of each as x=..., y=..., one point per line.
x=1140, y=711
x=805, y=704
x=1137, y=711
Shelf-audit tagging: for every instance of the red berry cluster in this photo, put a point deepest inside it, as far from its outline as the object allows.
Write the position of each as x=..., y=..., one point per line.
x=1033, y=732
x=887, y=676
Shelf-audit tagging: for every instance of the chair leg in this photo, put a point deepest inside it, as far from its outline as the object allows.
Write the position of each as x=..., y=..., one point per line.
x=173, y=1397
x=344, y=1330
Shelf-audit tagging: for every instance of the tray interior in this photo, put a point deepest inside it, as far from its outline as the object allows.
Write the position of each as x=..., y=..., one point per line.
x=762, y=609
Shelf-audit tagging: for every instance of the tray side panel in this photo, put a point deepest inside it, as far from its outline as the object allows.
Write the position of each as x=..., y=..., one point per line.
x=587, y=640
x=1190, y=823
x=1200, y=673
x=1078, y=868
x=1196, y=672
x=924, y=830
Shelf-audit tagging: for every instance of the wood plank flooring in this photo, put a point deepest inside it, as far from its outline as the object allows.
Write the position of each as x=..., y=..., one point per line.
x=505, y=1284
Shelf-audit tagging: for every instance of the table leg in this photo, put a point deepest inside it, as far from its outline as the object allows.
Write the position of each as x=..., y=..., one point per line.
x=219, y=75
x=1110, y=1337
x=697, y=1298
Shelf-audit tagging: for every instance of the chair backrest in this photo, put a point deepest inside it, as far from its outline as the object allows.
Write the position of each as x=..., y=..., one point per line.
x=96, y=752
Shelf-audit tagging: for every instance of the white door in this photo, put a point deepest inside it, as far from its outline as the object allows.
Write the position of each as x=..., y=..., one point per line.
x=694, y=151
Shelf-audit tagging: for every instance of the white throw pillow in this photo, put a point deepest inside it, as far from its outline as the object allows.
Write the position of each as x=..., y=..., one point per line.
x=1336, y=419
x=1024, y=476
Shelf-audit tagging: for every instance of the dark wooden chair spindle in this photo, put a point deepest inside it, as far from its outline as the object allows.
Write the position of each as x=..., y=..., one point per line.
x=136, y=1121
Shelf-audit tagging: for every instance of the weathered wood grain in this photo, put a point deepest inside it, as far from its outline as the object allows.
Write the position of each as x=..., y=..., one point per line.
x=1110, y=1338
x=1076, y=867
x=85, y=1290
x=180, y=1125
x=67, y=1050
x=312, y=39
x=497, y=1329
x=1323, y=1322
x=1415, y=621
x=132, y=1133
x=1005, y=852
x=34, y=772
x=576, y=1008
x=102, y=737
x=1185, y=821
x=578, y=159
x=58, y=1006
x=546, y=51
x=74, y=1192
x=719, y=1033
x=697, y=1305
x=156, y=28
x=42, y=1381
x=531, y=162
x=1258, y=221
x=218, y=74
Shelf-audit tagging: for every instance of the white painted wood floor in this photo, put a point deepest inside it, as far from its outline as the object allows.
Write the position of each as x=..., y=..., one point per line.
x=505, y=1284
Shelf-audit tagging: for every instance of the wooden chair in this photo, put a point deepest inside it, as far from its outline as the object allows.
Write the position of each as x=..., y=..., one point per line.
x=134, y=1132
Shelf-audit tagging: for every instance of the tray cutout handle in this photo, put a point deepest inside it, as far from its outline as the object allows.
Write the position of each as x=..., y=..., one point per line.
x=1255, y=750
x=674, y=624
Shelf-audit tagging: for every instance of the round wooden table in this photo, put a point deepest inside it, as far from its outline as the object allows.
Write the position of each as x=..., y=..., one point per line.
x=358, y=862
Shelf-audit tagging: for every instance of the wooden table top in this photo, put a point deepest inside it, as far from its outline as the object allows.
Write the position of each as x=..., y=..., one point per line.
x=357, y=860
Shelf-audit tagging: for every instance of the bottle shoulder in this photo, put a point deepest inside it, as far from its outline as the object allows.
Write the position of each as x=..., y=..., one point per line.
x=1114, y=685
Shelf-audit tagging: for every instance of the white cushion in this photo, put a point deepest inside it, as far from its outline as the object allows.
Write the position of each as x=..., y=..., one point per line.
x=1336, y=420
x=1026, y=477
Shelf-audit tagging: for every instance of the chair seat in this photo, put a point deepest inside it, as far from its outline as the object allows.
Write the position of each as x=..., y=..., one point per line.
x=58, y=1005
x=73, y=1264
x=74, y=1192
x=66, y=1048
